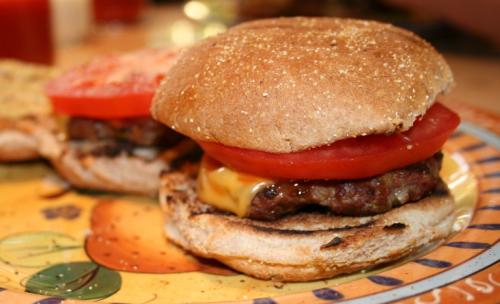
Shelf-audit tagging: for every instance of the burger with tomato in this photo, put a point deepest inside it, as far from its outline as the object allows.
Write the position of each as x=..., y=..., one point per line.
x=24, y=109
x=322, y=142
x=108, y=141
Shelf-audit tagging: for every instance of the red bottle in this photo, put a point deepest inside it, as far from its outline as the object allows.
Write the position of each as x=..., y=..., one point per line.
x=25, y=30
x=117, y=10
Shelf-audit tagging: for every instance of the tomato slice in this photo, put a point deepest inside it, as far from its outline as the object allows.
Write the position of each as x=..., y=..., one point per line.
x=112, y=86
x=349, y=158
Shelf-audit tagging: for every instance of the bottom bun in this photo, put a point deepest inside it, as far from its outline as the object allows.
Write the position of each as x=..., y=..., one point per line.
x=19, y=138
x=17, y=146
x=305, y=246
x=122, y=173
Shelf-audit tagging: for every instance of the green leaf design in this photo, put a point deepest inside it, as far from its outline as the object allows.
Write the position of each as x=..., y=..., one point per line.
x=77, y=280
x=36, y=249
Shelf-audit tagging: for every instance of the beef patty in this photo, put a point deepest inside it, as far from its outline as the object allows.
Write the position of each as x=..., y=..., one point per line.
x=111, y=137
x=354, y=197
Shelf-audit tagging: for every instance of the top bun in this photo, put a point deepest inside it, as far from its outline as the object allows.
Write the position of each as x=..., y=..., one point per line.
x=289, y=84
x=22, y=89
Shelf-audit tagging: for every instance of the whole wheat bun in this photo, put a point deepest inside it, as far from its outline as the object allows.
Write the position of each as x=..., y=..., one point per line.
x=23, y=108
x=122, y=173
x=305, y=246
x=22, y=89
x=17, y=146
x=288, y=84
x=18, y=139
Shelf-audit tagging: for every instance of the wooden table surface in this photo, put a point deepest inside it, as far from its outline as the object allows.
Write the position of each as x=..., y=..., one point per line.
x=476, y=95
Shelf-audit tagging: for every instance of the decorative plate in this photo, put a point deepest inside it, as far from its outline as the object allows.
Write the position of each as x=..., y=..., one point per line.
x=110, y=248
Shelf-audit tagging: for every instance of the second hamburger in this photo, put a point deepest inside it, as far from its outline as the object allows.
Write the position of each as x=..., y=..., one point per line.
x=107, y=139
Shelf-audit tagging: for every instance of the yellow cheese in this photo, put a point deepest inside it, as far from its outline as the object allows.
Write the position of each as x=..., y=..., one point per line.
x=227, y=189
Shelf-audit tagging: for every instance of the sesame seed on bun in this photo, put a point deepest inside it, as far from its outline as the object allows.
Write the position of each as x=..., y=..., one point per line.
x=289, y=84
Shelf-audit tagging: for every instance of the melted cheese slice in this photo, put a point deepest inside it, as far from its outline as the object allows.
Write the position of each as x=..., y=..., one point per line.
x=227, y=189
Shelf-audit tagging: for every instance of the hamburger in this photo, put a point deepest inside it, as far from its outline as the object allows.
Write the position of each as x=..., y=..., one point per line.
x=24, y=109
x=107, y=139
x=322, y=141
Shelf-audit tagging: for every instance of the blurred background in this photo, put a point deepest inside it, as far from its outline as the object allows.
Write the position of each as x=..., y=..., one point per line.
x=68, y=32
